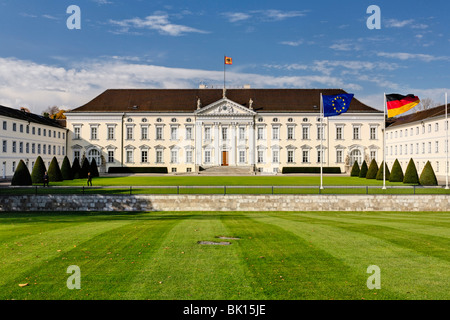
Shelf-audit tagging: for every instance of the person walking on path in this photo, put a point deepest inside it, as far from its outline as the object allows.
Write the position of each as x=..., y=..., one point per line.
x=46, y=178
x=89, y=179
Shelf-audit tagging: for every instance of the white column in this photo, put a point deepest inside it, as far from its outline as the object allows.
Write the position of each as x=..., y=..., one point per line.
x=232, y=136
x=198, y=143
x=251, y=140
x=216, y=144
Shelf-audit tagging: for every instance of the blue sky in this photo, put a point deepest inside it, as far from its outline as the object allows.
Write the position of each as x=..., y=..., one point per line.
x=180, y=44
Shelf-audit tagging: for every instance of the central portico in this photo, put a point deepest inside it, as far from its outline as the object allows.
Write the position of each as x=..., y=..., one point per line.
x=224, y=134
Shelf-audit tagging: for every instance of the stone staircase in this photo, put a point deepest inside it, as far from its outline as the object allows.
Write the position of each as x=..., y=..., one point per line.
x=227, y=171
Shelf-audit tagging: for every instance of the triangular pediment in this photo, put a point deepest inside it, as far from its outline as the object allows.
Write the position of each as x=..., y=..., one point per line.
x=225, y=107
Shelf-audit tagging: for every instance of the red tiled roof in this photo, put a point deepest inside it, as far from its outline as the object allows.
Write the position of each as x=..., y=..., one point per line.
x=185, y=100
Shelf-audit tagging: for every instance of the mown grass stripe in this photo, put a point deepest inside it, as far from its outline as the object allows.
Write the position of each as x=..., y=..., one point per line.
x=107, y=259
x=183, y=269
x=287, y=267
x=406, y=273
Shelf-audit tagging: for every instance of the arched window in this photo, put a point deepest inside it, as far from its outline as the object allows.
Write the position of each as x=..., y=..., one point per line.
x=94, y=154
x=355, y=155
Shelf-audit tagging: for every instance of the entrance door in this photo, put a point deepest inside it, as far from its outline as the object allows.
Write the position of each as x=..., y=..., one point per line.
x=224, y=158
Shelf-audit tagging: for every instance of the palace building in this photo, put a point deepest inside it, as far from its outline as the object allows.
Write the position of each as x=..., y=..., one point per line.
x=25, y=136
x=186, y=130
x=421, y=136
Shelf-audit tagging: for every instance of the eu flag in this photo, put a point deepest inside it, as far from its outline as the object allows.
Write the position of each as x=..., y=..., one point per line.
x=334, y=105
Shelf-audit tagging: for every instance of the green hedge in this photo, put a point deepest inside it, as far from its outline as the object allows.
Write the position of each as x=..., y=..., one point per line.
x=364, y=169
x=355, y=170
x=21, y=176
x=137, y=170
x=428, y=177
x=287, y=170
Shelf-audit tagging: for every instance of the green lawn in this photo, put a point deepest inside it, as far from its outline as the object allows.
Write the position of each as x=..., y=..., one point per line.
x=225, y=184
x=289, y=256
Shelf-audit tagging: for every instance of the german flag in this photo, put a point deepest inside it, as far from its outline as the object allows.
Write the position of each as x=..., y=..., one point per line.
x=398, y=104
x=228, y=60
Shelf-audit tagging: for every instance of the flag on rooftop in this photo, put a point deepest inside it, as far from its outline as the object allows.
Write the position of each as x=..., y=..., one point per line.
x=228, y=60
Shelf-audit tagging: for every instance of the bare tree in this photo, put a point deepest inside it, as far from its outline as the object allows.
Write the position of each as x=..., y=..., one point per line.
x=425, y=104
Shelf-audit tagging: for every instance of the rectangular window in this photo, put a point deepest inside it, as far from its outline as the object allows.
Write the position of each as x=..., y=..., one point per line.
x=33, y=130
x=429, y=147
x=339, y=133
x=110, y=156
x=14, y=147
x=275, y=133
x=319, y=156
x=189, y=156
x=241, y=156
x=373, y=155
x=76, y=154
x=373, y=133
x=93, y=133
x=429, y=127
x=241, y=133
x=436, y=127
x=174, y=156
x=159, y=156
x=27, y=148
x=21, y=128
x=224, y=133
x=174, y=133
x=436, y=146
x=207, y=156
x=39, y=131
x=305, y=156
x=417, y=148
x=14, y=126
x=5, y=126
x=28, y=129
x=110, y=133
x=13, y=166
x=76, y=132
x=260, y=133
x=129, y=156
x=129, y=133
x=159, y=133
x=4, y=146
x=423, y=147
x=290, y=156
x=356, y=135
x=320, y=132
x=144, y=156
x=208, y=133
x=305, y=133
x=21, y=147
x=339, y=156
x=39, y=148
x=144, y=133
x=33, y=148
x=275, y=156
x=260, y=156
x=290, y=133
x=188, y=133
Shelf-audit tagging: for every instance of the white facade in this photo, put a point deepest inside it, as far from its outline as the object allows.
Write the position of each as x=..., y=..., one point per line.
x=224, y=133
x=26, y=140
x=423, y=140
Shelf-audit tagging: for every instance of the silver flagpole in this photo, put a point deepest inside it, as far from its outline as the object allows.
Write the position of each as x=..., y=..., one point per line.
x=321, y=141
x=384, y=144
x=447, y=124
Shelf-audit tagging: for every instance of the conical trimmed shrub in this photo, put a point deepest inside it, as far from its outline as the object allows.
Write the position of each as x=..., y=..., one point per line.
x=21, y=176
x=364, y=169
x=397, y=172
x=66, y=169
x=54, y=171
x=427, y=177
x=94, y=169
x=37, y=174
x=373, y=170
x=355, y=170
x=85, y=169
x=76, y=169
x=411, y=173
x=380, y=172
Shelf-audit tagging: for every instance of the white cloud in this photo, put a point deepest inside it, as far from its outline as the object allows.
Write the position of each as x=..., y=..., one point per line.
x=292, y=43
x=394, y=23
x=236, y=16
x=159, y=22
x=412, y=56
x=37, y=86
